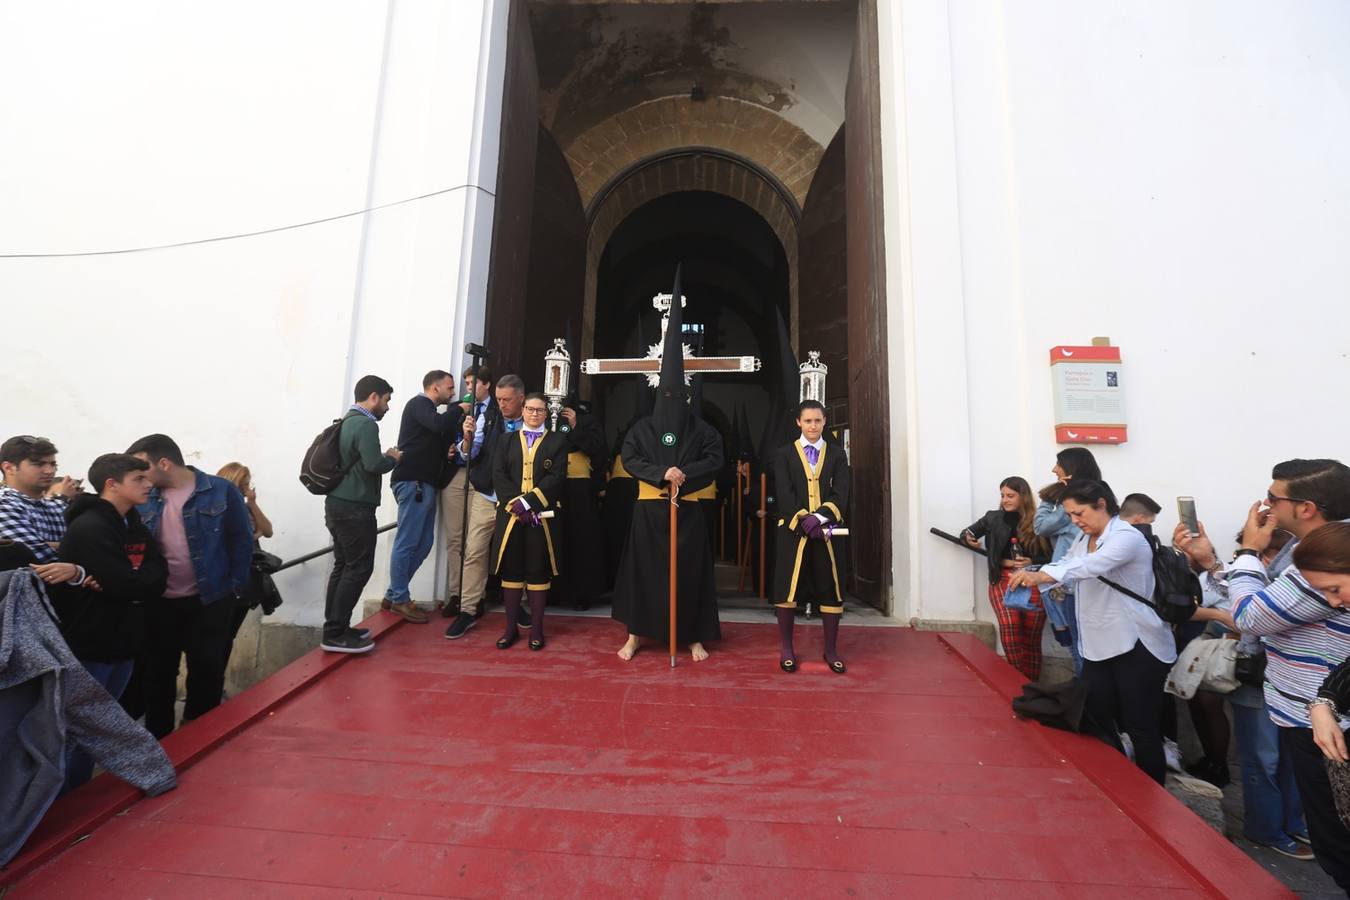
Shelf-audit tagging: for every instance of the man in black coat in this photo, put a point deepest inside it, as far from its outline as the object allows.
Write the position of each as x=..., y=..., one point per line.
x=105, y=627
x=811, y=480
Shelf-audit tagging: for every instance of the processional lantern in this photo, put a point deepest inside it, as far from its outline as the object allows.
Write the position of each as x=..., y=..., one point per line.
x=813, y=373
x=557, y=377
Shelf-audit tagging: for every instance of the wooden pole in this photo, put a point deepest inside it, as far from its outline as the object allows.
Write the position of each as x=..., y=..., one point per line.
x=740, y=515
x=763, y=518
x=674, y=572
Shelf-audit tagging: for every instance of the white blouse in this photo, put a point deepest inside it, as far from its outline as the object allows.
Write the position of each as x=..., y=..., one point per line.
x=1110, y=622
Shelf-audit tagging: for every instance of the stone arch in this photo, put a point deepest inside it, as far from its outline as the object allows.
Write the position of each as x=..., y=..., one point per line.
x=688, y=169
x=656, y=127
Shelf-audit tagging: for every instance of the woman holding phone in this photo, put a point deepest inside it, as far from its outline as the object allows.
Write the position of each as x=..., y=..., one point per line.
x=1011, y=542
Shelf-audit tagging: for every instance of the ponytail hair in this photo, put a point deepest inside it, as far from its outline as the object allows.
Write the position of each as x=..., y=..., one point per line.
x=1089, y=493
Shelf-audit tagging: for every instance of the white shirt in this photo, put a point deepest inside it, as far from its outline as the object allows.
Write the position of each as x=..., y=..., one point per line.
x=1110, y=622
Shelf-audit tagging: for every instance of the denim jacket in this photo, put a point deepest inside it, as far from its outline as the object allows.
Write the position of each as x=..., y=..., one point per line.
x=1053, y=524
x=219, y=534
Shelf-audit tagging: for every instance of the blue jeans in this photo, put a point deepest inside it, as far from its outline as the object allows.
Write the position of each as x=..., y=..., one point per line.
x=114, y=678
x=1271, y=809
x=412, y=541
x=1064, y=614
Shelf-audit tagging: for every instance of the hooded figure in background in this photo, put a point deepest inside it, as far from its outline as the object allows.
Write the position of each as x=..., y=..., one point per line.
x=583, y=540
x=620, y=492
x=670, y=449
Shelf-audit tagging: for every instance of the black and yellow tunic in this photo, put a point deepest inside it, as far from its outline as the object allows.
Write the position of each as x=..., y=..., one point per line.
x=805, y=570
x=524, y=556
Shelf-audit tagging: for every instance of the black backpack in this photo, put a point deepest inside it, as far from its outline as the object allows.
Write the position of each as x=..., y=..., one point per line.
x=1176, y=589
x=322, y=470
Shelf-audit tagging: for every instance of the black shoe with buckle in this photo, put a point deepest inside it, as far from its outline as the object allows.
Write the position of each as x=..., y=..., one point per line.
x=506, y=641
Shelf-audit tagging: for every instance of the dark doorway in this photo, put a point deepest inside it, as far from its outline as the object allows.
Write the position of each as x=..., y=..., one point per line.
x=735, y=276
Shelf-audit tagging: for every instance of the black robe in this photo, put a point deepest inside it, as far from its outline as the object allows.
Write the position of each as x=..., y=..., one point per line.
x=549, y=473
x=642, y=584
x=616, y=514
x=806, y=570
x=583, y=540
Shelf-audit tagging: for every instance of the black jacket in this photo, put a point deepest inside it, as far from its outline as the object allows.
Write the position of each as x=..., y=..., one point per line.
x=480, y=467
x=425, y=436
x=996, y=529
x=108, y=625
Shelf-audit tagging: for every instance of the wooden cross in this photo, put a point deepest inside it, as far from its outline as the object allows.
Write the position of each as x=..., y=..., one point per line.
x=650, y=365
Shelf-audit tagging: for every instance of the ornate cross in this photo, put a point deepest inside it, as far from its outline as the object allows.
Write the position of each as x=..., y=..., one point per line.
x=650, y=365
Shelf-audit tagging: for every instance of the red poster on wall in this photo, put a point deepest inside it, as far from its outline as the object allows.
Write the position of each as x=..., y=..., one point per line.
x=1089, y=395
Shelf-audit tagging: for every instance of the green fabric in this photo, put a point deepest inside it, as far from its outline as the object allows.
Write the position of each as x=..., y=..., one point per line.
x=359, y=440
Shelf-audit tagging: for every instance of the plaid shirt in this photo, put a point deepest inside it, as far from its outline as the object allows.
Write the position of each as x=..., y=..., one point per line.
x=32, y=523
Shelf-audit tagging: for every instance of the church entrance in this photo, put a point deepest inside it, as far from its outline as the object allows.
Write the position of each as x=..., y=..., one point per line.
x=738, y=139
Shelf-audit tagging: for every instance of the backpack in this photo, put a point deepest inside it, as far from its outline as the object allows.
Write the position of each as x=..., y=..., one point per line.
x=1176, y=589
x=321, y=471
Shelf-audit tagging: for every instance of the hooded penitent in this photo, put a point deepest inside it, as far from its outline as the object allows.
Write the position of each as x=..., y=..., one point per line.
x=670, y=416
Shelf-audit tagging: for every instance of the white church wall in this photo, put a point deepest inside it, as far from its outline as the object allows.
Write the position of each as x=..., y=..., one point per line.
x=1170, y=176
x=146, y=125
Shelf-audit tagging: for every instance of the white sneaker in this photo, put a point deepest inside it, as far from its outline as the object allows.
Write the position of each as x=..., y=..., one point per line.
x=1173, y=754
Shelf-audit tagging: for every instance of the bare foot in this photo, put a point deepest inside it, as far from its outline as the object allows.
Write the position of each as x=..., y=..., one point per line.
x=698, y=652
x=630, y=649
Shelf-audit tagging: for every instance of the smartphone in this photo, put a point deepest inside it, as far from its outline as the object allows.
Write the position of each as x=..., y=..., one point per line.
x=1186, y=513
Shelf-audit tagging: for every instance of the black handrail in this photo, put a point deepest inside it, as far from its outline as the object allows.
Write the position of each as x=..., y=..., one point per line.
x=326, y=550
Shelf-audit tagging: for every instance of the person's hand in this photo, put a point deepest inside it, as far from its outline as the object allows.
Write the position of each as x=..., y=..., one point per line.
x=251, y=494
x=1023, y=578
x=970, y=539
x=56, y=572
x=469, y=426
x=1224, y=618
x=812, y=528
x=395, y=453
x=91, y=583
x=570, y=415
x=759, y=513
x=1256, y=534
x=674, y=476
x=521, y=510
x=1327, y=734
x=65, y=487
x=1198, y=548
x=1021, y=562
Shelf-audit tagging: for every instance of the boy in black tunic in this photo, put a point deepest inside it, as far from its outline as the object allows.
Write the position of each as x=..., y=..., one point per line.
x=811, y=484
x=529, y=469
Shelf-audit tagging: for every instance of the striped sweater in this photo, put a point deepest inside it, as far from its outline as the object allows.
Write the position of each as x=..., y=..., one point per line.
x=1304, y=636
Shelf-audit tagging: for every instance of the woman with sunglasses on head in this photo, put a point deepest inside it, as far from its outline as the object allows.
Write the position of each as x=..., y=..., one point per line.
x=1053, y=524
x=1127, y=650
x=1011, y=543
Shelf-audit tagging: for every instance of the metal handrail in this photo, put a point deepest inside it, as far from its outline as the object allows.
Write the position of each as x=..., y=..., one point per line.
x=326, y=550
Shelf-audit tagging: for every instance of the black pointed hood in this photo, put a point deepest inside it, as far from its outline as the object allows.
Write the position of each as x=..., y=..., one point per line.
x=670, y=416
x=745, y=447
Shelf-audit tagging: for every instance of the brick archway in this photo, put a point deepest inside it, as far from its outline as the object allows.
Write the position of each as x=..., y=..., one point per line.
x=688, y=169
x=651, y=129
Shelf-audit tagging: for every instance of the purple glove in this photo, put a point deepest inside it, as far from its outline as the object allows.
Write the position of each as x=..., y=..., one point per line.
x=534, y=520
x=812, y=528
x=521, y=510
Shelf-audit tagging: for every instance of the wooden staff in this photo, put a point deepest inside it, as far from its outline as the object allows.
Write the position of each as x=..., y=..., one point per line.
x=763, y=517
x=674, y=572
x=740, y=492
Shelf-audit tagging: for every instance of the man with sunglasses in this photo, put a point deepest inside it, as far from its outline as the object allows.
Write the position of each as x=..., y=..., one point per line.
x=33, y=505
x=1304, y=636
